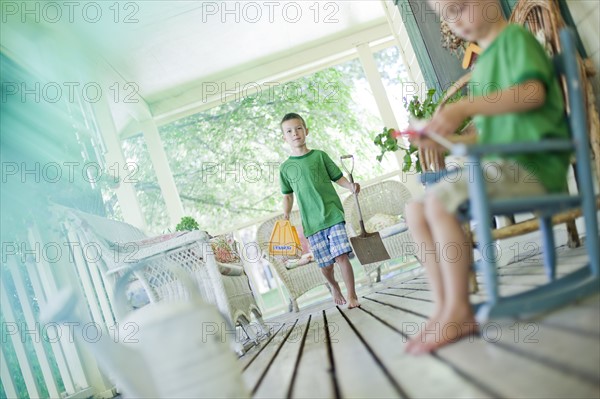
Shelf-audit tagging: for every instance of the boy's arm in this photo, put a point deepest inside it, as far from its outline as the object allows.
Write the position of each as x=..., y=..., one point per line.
x=288, y=202
x=520, y=98
x=342, y=181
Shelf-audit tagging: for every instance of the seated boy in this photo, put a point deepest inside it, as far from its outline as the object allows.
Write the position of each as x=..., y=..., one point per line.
x=515, y=97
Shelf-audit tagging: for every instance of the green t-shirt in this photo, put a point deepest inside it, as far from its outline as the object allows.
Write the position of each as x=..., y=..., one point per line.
x=513, y=58
x=309, y=176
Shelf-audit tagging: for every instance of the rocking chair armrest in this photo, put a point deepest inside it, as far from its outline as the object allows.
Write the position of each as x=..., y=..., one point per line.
x=479, y=150
x=512, y=148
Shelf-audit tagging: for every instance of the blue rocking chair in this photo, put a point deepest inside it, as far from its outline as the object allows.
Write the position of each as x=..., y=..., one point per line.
x=575, y=285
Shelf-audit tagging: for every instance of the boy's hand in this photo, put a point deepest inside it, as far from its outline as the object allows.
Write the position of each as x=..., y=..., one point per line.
x=356, y=188
x=447, y=119
x=286, y=216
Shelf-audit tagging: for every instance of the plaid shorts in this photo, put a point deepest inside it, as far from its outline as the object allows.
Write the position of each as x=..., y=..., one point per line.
x=329, y=243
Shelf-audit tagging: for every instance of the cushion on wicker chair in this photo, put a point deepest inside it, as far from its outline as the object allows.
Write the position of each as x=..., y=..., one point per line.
x=393, y=230
x=380, y=221
x=137, y=296
x=230, y=269
x=305, y=259
x=225, y=249
x=133, y=246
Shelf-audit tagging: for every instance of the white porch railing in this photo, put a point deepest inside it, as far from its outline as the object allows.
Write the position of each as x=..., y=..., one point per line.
x=43, y=359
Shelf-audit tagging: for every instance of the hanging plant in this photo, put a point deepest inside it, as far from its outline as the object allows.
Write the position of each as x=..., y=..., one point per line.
x=451, y=42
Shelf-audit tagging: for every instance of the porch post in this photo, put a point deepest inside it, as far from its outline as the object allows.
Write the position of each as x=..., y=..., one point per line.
x=115, y=160
x=385, y=109
x=163, y=171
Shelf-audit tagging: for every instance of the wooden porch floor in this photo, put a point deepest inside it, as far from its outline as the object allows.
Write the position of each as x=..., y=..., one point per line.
x=325, y=351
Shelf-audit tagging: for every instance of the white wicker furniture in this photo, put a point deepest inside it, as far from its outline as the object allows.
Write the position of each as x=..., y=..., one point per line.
x=387, y=197
x=300, y=279
x=122, y=245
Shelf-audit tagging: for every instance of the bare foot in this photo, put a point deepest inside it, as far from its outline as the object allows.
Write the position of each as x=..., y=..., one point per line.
x=424, y=327
x=338, y=298
x=353, y=302
x=416, y=339
x=441, y=332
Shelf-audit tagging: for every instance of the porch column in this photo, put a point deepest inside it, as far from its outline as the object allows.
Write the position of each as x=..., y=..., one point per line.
x=163, y=171
x=385, y=109
x=115, y=161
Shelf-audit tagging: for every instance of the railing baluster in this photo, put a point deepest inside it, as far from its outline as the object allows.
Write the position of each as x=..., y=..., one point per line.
x=18, y=342
x=32, y=325
x=48, y=283
x=57, y=349
x=8, y=382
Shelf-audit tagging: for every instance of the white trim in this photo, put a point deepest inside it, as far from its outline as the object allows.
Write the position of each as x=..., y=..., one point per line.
x=163, y=171
x=126, y=194
x=365, y=55
x=280, y=70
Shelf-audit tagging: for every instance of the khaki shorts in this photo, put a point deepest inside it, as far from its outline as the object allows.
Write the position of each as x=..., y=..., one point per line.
x=504, y=179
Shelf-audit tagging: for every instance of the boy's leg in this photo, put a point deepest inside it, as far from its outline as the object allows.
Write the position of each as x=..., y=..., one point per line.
x=426, y=251
x=338, y=298
x=456, y=319
x=429, y=258
x=319, y=244
x=339, y=247
x=348, y=275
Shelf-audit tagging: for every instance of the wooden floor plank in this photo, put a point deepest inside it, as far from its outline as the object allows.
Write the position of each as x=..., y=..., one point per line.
x=592, y=302
x=551, y=346
x=514, y=375
x=420, y=307
x=277, y=381
x=255, y=351
x=498, y=370
x=426, y=295
x=354, y=364
x=408, y=371
x=415, y=287
x=253, y=374
x=581, y=318
x=314, y=374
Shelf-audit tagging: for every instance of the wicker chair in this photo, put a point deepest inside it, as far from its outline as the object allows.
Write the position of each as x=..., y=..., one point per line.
x=298, y=280
x=386, y=197
x=120, y=245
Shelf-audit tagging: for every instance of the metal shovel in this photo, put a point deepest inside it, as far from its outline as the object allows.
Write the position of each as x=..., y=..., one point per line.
x=368, y=247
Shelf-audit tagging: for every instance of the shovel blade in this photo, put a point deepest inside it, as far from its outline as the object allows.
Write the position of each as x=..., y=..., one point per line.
x=369, y=248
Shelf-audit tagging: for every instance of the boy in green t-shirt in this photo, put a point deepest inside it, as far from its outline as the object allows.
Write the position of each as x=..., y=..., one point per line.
x=308, y=174
x=515, y=97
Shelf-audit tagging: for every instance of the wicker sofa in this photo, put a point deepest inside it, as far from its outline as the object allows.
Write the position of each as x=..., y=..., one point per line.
x=121, y=245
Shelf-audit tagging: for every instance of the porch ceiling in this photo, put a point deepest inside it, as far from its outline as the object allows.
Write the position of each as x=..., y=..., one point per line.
x=177, y=47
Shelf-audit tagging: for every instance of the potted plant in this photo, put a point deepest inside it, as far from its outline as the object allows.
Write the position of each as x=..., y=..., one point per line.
x=187, y=223
x=387, y=142
x=417, y=109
